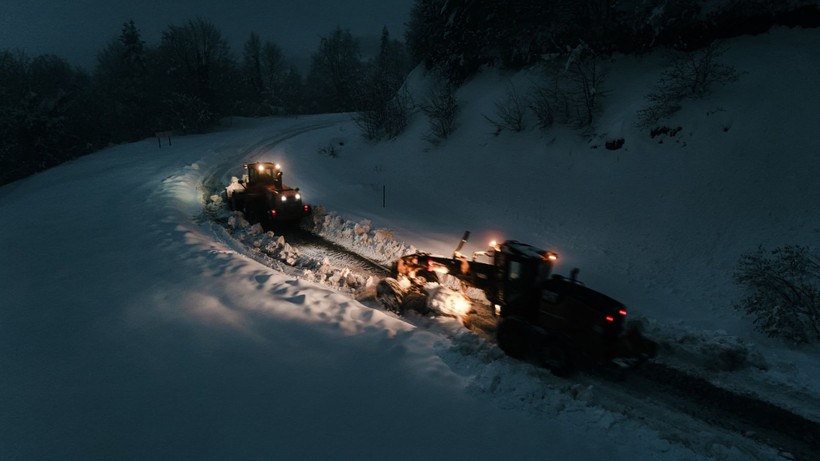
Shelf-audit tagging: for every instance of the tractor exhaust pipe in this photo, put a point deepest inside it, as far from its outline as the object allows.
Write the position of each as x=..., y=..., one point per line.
x=461, y=244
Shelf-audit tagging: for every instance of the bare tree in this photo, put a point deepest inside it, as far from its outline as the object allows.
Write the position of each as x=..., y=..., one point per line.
x=265, y=76
x=200, y=64
x=587, y=76
x=689, y=75
x=386, y=119
x=510, y=112
x=571, y=90
x=336, y=72
x=782, y=292
x=441, y=108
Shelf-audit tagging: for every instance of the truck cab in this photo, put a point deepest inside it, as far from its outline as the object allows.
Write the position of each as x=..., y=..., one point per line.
x=265, y=173
x=559, y=312
x=264, y=198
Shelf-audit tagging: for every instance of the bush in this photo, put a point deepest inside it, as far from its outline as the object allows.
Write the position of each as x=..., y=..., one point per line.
x=782, y=292
x=541, y=104
x=690, y=75
x=510, y=111
x=386, y=119
x=570, y=91
x=187, y=113
x=441, y=109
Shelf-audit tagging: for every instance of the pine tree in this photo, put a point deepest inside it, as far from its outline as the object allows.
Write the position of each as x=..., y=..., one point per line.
x=133, y=84
x=293, y=98
x=384, y=110
x=425, y=32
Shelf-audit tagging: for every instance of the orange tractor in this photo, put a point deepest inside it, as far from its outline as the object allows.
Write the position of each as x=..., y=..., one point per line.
x=554, y=320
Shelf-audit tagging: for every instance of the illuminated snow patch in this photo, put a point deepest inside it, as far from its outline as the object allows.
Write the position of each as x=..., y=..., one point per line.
x=446, y=301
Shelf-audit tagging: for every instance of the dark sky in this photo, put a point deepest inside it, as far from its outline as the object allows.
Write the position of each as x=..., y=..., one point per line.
x=78, y=29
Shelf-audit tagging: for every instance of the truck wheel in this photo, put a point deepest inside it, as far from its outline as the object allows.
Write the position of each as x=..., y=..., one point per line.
x=250, y=214
x=554, y=353
x=390, y=295
x=512, y=337
x=417, y=300
x=427, y=276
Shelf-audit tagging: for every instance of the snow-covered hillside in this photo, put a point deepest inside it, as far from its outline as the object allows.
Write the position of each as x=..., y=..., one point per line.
x=134, y=327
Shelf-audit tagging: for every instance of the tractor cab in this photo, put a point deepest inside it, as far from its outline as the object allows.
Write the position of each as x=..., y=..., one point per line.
x=265, y=173
x=263, y=198
x=553, y=319
x=523, y=270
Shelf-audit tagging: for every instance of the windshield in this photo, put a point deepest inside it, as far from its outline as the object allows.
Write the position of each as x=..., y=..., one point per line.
x=263, y=173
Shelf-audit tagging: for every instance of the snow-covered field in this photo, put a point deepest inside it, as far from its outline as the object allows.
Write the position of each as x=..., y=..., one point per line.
x=132, y=326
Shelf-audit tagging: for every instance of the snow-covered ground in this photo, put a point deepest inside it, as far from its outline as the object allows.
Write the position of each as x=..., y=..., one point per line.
x=134, y=327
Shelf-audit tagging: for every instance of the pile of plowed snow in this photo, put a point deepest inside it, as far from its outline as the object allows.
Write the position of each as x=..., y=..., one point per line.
x=267, y=246
x=376, y=244
x=360, y=237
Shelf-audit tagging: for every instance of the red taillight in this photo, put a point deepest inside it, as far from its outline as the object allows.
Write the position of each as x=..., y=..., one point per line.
x=609, y=318
x=272, y=212
x=622, y=312
x=307, y=207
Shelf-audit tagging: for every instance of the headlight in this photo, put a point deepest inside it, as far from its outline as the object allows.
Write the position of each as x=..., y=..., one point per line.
x=284, y=199
x=298, y=197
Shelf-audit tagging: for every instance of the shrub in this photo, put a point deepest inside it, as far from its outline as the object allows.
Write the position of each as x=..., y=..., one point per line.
x=571, y=89
x=782, y=292
x=441, y=109
x=386, y=119
x=542, y=105
x=689, y=75
x=509, y=112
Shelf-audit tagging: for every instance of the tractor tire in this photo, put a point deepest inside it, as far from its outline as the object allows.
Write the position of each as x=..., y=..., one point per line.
x=251, y=213
x=427, y=277
x=390, y=295
x=512, y=336
x=415, y=299
x=555, y=353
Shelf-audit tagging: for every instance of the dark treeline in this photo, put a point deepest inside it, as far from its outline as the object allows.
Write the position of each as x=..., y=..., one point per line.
x=458, y=37
x=51, y=112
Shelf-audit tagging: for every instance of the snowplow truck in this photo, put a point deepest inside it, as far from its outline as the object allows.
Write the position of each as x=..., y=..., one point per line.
x=263, y=198
x=552, y=320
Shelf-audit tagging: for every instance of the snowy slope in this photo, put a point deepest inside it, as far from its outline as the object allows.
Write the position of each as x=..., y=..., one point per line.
x=659, y=224
x=131, y=327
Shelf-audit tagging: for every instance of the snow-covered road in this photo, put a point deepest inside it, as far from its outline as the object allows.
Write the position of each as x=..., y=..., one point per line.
x=131, y=328
x=129, y=333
